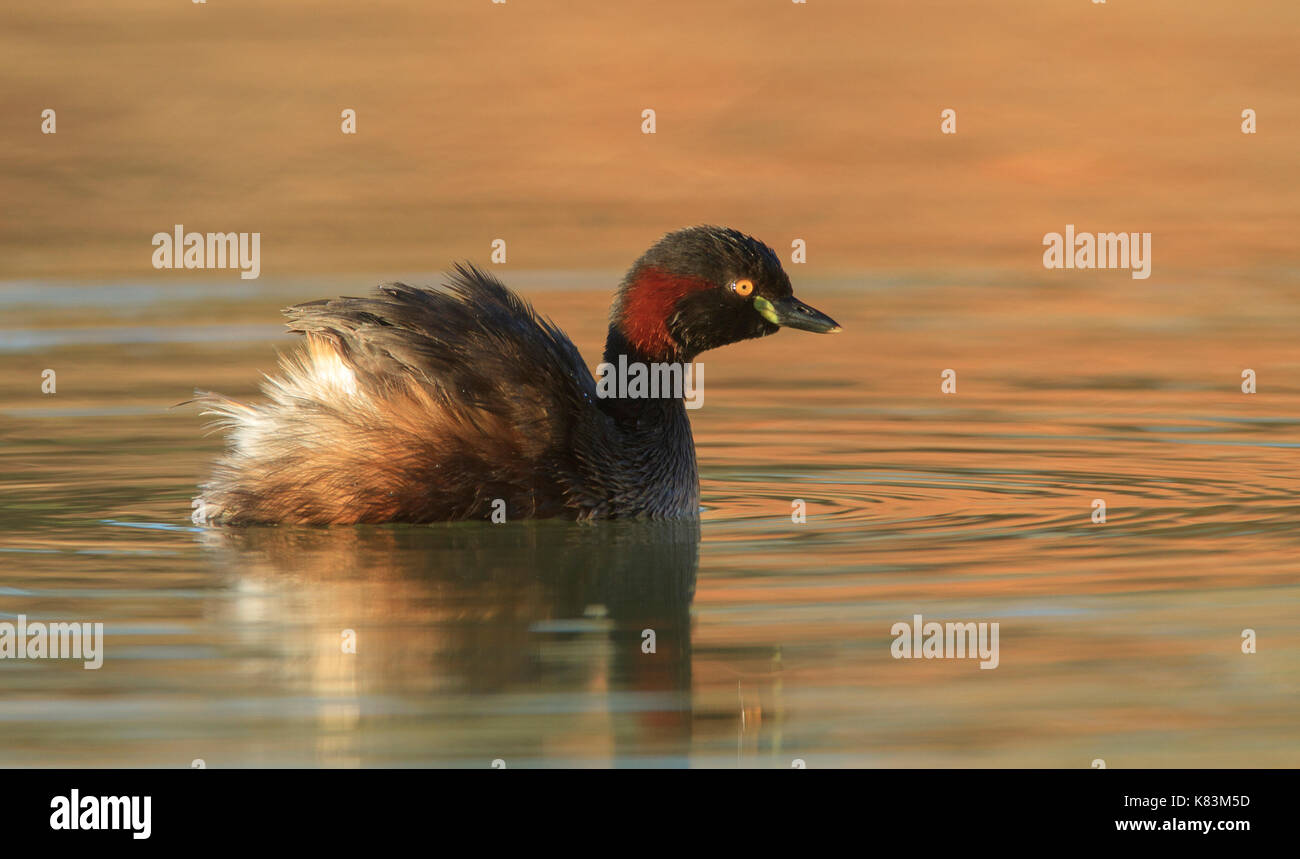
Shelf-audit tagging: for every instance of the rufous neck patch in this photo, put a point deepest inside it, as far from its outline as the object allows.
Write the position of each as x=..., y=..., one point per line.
x=648, y=303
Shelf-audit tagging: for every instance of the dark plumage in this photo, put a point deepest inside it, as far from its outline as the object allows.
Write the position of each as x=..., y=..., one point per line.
x=421, y=405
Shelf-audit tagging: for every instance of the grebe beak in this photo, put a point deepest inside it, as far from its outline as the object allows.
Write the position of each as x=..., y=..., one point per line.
x=790, y=312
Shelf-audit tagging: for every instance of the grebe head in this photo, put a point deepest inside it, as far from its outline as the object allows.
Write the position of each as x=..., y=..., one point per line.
x=704, y=287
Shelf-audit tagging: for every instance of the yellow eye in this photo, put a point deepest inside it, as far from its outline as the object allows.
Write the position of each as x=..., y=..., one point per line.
x=744, y=287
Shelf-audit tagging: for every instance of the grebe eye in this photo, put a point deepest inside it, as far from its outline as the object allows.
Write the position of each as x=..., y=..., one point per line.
x=744, y=287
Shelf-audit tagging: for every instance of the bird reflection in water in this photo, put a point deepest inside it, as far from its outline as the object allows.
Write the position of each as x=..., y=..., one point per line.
x=485, y=641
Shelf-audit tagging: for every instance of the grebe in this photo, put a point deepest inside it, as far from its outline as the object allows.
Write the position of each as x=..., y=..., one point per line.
x=424, y=405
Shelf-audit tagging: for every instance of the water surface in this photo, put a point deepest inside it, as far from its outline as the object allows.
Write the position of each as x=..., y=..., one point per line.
x=522, y=642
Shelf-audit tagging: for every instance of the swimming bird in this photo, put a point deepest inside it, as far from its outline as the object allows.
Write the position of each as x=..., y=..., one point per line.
x=423, y=405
